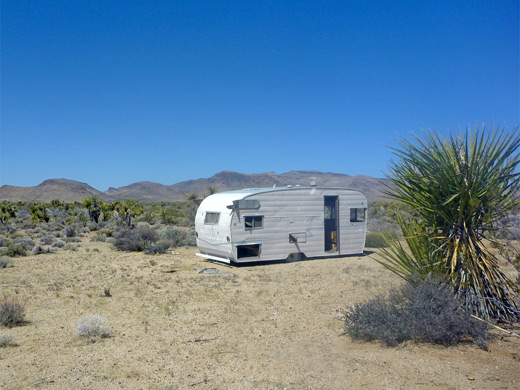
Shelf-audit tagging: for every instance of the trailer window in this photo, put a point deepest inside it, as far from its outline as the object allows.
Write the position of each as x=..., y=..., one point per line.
x=254, y=221
x=211, y=218
x=357, y=215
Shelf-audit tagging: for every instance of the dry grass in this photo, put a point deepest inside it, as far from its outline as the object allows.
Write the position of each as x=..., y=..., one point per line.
x=257, y=327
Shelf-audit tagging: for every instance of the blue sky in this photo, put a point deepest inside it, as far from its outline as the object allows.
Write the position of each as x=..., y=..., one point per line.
x=115, y=92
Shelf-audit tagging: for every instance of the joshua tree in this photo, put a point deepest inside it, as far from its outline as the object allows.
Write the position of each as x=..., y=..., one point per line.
x=93, y=208
x=192, y=197
x=459, y=187
x=39, y=213
x=126, y=210
x=7, y=212
x=210, y=191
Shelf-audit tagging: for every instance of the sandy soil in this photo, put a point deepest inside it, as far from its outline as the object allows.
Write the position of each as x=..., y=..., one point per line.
x=275, y=326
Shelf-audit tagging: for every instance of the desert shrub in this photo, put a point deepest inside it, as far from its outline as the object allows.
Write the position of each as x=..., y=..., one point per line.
x=103, y=225
x=38, y=250
x=70, y=247
x=424, y=312
x=10, y=229
x=92, y=227
x=54, y=227
x=24, y=225
x=5, y=262
x=108, y=231
x=58, y=244
x=73, y=239
x=26, y=242
x=93, y=327
x=128, y=240
x=155, y=249
x=12, y=311
x=17, y=234
x=4, y=241
x=174, y=237
x=191, y=238
x=69, y=231
x=6, y=340
x=375, y=240
x=99, y=236
x=136, y=239
x=47, y=240
x=15, y=250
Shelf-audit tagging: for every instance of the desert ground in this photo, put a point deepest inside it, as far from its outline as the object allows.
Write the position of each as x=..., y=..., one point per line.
x=272, y=326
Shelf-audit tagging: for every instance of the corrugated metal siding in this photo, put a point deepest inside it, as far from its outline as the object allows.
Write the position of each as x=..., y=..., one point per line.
x=299, y=210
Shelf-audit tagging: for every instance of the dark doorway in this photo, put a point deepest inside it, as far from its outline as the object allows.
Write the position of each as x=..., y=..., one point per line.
x=330, y=221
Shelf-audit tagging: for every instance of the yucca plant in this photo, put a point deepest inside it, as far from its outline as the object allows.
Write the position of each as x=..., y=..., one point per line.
x=459, y=188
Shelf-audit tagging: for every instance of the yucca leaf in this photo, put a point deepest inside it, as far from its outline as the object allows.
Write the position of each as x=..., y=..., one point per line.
x=459, y=188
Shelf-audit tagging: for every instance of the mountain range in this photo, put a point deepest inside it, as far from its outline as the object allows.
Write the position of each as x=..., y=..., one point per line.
x=145, y=191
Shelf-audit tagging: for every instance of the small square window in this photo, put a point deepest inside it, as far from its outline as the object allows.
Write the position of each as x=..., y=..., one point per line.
x=357, y=215
x=254, y=221
x=211, y=218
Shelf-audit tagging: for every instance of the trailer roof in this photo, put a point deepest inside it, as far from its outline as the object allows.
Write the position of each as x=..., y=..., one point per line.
x=220, y=200
x=245, y=192
x=252, y=191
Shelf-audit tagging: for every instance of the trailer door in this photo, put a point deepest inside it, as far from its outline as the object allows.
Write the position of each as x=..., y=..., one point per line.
x=331, y=223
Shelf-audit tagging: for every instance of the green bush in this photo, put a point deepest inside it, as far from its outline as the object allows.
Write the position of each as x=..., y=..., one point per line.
x=426, y=311
x=15, y=250
x=4, y=241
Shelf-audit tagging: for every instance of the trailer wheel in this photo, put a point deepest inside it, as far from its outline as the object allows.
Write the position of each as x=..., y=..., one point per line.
x=295, y=256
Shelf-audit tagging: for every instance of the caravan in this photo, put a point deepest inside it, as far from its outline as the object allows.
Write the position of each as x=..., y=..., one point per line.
x=261, y=224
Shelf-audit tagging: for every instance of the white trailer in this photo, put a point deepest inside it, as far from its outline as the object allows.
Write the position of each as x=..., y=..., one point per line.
x=261, y=224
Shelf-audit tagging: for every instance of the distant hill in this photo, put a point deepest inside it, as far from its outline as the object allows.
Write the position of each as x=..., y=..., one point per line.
x=63, y=189
x=227, y=180
x=147, y=191
x=70, y=190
